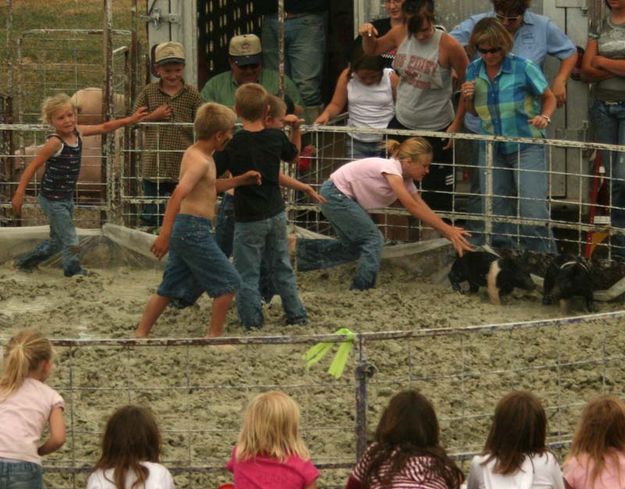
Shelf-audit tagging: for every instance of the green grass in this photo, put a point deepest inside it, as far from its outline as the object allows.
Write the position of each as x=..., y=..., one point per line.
x=52, y=63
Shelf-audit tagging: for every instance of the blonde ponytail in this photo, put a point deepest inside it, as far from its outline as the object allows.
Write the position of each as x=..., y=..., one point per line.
x=411, y=148
x=23, y=354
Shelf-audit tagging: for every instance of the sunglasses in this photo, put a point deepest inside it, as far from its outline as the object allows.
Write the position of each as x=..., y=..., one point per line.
x=488, y=51
x=249, y=67
x=504, y=18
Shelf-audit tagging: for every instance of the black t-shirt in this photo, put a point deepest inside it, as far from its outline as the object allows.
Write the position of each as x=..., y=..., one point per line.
x=291, y=6
x=261, y=151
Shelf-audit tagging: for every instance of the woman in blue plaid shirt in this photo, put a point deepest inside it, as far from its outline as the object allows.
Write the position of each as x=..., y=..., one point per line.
x=512, y=98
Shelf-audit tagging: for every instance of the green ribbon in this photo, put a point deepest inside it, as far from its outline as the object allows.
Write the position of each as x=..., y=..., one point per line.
x=320, y=350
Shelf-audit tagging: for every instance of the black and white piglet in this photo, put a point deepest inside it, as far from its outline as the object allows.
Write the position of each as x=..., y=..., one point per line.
x=566, y=277
x=483, y=269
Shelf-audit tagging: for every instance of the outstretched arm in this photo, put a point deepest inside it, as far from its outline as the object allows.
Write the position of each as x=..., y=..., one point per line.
x=419, y=209
x=109, y=126
x=251, y=177
x=51, y=147
x=339, y=99
x=295, y=184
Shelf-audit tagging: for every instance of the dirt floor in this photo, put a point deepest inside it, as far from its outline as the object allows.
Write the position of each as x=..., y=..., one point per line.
x=198, y=393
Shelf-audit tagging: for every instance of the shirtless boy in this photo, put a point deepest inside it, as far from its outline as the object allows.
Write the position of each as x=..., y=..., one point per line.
x=195, y=263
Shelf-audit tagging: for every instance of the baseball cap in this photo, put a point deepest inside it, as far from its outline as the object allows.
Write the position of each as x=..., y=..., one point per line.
x=169, y=52
x=245, y=49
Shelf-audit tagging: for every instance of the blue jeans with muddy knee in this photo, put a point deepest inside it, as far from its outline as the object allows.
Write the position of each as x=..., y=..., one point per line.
x=520, y=189
x=63, y=238
x=358, y=238
x=266, y=240
x=15, y=474
x=608, y=121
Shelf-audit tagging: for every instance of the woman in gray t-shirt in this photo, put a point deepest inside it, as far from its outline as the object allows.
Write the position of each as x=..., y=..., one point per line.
x=604, y=65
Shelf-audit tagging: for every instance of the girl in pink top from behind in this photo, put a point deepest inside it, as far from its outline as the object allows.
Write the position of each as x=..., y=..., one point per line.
x=270, y=452
x=597, y=457
x=27, y=405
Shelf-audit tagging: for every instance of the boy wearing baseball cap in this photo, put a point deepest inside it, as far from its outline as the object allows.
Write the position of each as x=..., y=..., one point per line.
x=169, y=100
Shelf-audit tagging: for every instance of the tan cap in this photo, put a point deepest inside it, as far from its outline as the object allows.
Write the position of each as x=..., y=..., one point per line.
x=169, y=52
x=245, y=49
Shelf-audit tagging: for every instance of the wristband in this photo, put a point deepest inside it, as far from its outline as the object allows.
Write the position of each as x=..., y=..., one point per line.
x=546, y=117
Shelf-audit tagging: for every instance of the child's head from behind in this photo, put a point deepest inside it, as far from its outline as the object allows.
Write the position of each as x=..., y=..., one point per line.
x=271, y=428
x=57, y=109
x=131, y=436
x=28, y=353
x=409, y=418
x=519, y=428
x=251, y=102
x=414, y=154
x=600, y=432
x=277, y=111
x=368, y=69
x=214, y=121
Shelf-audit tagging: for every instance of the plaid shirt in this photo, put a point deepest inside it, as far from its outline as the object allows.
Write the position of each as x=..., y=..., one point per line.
x=507, y=103
x=164, y=145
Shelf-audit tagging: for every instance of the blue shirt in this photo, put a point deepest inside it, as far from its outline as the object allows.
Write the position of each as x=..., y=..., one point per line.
x=507, y=103
x=537, y=37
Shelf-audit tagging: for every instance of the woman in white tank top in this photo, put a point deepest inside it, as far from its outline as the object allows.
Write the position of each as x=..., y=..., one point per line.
x=368, y=89
x=424, y=60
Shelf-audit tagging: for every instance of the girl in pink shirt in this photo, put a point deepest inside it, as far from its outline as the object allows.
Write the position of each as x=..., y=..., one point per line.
x=597, y=457
x=27, y=405
x=270, y=452
x=361, y=186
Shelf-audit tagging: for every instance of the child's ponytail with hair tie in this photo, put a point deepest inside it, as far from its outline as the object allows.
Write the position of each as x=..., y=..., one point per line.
x=392, y=147
x=23, y=353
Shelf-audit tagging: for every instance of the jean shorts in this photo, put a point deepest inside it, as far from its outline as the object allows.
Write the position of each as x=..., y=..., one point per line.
x=195, y=263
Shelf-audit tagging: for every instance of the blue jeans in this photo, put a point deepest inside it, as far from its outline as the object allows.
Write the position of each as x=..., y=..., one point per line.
x=357, y=150
x=358, y=239
x=519, y=189
x=304, y=50
x=63, y=238
x=153, y=213
x=609, y=123
x=20, y=475
x=195, y=263
x=253, y=242
x=224, y=236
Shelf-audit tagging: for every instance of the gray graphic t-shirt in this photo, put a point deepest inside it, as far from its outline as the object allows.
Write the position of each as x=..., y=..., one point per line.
x=610, y=44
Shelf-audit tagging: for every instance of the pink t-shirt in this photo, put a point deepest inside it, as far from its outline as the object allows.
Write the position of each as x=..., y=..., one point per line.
x=23, y=417
x=270, y=473
x=364, y=181
x=577, y=473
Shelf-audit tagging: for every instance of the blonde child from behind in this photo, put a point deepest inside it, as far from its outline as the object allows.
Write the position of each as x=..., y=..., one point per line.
x=62, y=156
x=270, y=452
x=27, y=405
x=131, y=449
x=597, y=456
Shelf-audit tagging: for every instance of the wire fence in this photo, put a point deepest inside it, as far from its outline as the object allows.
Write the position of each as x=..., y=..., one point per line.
x=199, y=393
x=582, y=204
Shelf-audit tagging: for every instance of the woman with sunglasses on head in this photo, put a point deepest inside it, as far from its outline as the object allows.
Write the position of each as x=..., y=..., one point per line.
x=511, y=97
x=424, y=60
x=534, y=37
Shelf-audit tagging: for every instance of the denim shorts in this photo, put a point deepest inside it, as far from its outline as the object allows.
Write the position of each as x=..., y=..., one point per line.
x=195, y=263
x=15, y=474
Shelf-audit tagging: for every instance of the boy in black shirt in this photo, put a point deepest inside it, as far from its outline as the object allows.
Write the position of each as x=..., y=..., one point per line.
x=259, y=213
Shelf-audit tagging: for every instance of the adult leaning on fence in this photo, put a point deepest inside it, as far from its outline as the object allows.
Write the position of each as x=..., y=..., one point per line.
x=511, y=97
